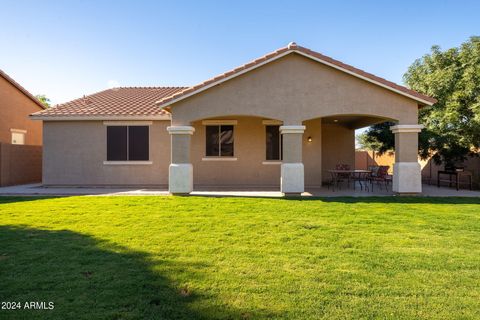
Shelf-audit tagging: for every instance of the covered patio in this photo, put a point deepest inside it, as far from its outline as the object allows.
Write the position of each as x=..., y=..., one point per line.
x=315, y=104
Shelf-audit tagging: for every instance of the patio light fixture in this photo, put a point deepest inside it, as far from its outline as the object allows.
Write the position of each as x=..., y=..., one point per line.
x=309, y=139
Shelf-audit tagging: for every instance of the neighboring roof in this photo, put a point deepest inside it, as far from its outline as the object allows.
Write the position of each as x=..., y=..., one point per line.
x=294, y=48
x=118, y=102
x=21, y=89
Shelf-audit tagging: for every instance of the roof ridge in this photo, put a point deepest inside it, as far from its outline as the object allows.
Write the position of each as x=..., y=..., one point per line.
x=4, y=75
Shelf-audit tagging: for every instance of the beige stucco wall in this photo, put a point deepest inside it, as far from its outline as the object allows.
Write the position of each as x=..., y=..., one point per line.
x=14, y=110
x=338, y=147
x=74, y=152
x=293, y=89
x=249, y=149
x=248, y=170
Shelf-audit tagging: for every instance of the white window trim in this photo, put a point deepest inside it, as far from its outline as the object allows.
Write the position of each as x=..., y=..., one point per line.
x=272, y=162
x=127, y=123
x=219, y=122
x=133, y=162
x=18, y=131
x=219, y=159
x=272, y=122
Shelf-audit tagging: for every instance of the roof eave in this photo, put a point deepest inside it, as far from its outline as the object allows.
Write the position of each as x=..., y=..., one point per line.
x=22, y=89
x=100, y=117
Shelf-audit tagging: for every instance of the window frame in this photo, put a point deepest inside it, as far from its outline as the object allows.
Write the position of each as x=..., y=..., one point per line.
x=127, y=149
x=22, y=133
x=219, y=124
x=280, y=144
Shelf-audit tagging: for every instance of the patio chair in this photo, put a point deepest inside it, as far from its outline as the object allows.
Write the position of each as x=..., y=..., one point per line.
x=362, y=178
x=342, y=176
x=381, y=177
x=373, y=170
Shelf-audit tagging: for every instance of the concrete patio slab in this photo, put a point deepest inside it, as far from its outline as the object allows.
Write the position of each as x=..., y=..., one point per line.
x=39, y=190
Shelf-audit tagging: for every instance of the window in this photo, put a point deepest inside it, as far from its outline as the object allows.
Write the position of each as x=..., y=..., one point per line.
x=18, y=136
x=127, y=143
x=273, y=143
x=219, y=141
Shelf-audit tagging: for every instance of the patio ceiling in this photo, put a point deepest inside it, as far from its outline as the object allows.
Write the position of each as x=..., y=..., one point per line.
x=353, y=121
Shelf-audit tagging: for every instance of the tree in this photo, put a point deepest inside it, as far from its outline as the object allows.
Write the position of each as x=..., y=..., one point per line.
x=452, y=125
x=377, y=138
x=43, y=99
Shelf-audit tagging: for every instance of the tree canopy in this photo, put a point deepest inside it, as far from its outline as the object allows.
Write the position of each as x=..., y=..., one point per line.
x=452, y=125
x=43, y=99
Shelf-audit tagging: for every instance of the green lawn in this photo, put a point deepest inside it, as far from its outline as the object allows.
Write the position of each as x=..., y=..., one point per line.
x=232, y=258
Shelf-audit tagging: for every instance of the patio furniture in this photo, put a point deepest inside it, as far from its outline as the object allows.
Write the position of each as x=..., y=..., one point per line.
x=361, y=176
x=381, y=177
x=340, y=175
x=373, y=170
x=456, y=175
x=343, y=176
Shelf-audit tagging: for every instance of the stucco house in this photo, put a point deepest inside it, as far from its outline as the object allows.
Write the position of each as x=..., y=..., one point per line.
x=20, y=137
x=282, y=121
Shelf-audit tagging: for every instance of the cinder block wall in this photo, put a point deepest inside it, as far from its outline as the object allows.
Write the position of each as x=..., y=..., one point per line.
x=20, y=164
x=363, y=159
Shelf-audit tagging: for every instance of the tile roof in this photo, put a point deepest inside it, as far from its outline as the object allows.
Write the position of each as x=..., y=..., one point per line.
x=293, y=47
x=125, y=101
x=21, y=89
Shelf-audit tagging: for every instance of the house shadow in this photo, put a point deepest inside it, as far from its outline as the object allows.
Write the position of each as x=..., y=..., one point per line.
x=87, y=278
x=13, y=199
x=392, y=199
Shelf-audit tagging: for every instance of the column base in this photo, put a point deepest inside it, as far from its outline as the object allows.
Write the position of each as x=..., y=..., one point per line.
x=407, y=178
x=292, y=179
x=180, y=178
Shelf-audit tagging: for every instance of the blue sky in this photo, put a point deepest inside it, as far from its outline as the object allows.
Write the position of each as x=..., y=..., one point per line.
x=65, y=49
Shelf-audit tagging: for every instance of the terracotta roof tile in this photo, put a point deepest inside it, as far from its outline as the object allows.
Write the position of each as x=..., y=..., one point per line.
x=22, y=89
x=130, y=101
x=293, y=47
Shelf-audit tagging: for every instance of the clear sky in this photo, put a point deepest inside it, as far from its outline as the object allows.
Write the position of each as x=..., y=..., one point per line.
x=65, y=49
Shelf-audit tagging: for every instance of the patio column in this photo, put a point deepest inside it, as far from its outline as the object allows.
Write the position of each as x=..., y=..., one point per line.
x=407, y=177
x=180, y=173
x=292, y=173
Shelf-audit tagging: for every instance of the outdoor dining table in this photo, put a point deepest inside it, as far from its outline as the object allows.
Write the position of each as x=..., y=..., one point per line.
x=355, y=175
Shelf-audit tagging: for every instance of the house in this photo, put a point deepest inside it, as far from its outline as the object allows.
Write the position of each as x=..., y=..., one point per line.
x=282, y=121
x=20, y=137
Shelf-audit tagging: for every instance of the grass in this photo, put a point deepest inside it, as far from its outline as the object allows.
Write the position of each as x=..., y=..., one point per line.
x=233, y=258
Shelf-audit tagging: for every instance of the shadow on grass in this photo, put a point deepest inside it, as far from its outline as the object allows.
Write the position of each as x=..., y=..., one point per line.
x=13, y=199
x=347, y=199
x=90, y=279
x=392, y=199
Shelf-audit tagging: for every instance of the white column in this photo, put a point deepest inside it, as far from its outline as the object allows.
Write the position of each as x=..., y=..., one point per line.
x=180, y=173
x=292, y=172
x=407, y=175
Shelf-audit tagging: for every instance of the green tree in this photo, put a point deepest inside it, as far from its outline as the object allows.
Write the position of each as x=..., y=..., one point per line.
x=377, y=138
x=43, y=99
x=452, y=125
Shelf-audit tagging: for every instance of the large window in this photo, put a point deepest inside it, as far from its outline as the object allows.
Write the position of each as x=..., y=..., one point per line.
x=274, y=143
x=219, y=141
x=127, y=143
